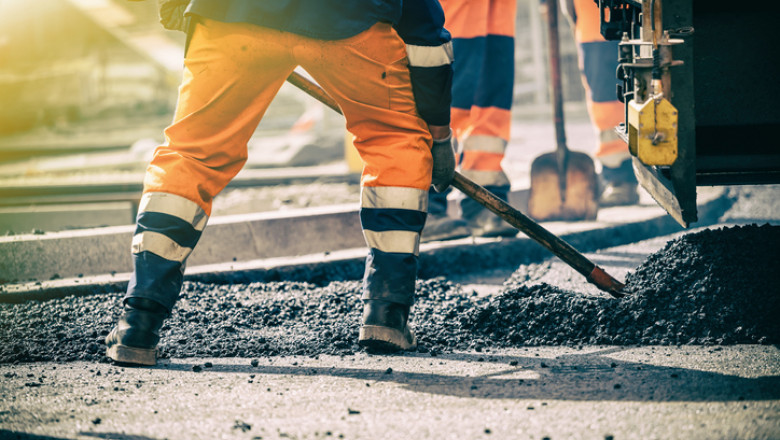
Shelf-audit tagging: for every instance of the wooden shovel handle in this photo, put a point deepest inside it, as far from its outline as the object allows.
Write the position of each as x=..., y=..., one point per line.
x=557, y=246
x=536, y=232
x=314, y=91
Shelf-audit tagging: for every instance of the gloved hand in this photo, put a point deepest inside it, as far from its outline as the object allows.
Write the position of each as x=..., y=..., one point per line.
x=443, y=152
x=172, y=14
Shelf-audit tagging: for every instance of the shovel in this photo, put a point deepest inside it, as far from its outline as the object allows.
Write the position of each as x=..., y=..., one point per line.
x=563, y=250
x=563, y=183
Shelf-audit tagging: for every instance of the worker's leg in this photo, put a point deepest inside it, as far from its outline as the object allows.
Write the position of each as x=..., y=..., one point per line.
x=369, y=78
x=232, y=72
x=462, y=16
x=483, y=43
x=598, y=63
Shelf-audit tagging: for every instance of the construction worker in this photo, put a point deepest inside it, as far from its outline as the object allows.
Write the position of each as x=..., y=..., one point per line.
x=598, y=63
x=483, y=34
x=388, y=65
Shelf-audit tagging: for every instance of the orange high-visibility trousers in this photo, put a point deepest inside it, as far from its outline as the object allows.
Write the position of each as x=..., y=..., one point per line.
x=483, y=34
x=234, y=70
x=598, y=62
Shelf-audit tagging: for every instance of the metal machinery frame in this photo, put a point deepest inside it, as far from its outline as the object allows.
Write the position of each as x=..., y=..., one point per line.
x=700, y=84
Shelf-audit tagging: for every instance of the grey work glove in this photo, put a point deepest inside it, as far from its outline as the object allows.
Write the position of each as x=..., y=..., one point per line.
x=172, y=14
x=443, y=152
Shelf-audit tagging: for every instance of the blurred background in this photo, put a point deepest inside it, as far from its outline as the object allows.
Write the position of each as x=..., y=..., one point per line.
x=87, y=87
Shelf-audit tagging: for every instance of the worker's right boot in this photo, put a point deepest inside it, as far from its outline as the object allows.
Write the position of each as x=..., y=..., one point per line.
x=134, y=339
x=386, y=327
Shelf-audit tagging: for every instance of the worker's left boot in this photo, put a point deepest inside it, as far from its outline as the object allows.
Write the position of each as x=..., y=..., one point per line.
x=484, y=223
x=487, y=224
x=386, y=327
x=134, y=339
x=619, y=186
x=439, y=225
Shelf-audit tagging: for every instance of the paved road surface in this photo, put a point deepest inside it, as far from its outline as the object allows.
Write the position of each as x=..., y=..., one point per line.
x=557, y=393
x=686, y=392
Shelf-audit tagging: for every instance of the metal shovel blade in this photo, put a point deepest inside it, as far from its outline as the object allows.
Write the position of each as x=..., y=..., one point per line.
x=577, y=201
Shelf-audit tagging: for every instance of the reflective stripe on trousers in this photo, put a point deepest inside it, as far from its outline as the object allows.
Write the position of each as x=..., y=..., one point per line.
x=168, y=227
x=392, y=220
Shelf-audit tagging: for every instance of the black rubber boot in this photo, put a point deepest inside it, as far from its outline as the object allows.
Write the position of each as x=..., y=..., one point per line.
x=134, y=339
x=438, y=225
x=618, y=185
x=484, y=223
x=385, y=327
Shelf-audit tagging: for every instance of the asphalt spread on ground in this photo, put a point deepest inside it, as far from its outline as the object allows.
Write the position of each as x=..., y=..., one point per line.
x=715, y=286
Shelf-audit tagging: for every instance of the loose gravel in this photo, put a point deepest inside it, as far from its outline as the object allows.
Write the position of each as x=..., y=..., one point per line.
x=710, y=287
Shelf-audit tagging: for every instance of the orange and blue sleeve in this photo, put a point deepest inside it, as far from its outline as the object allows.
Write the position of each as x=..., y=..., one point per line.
x=429, y=49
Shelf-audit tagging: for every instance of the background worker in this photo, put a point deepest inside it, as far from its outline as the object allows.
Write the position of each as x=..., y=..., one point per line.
x=598, y=63
x=239, y=54
x=483, y=36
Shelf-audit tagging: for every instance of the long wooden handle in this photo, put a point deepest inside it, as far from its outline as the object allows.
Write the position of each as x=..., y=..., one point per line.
x=556, y=88
x=314, y=91
x=536, y=232
x=550, y=8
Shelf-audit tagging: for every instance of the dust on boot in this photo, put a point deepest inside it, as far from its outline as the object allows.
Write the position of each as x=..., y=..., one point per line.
x=134, y=339
x=386, y=327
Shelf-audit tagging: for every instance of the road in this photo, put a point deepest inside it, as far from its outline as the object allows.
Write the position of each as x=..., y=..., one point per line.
x=591, y=392
x=545, y=392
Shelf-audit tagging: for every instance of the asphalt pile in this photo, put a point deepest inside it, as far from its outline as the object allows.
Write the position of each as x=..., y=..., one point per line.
x=710, y=287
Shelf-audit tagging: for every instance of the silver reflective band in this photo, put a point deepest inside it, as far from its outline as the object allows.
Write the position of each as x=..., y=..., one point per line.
x=176, y=206
x=160, y=245
x=488, y=144
x=484, y=178
x=394, y=197
x=402, y=242
x=429, y=56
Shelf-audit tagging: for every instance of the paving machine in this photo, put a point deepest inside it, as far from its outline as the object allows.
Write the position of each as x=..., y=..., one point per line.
x=700, y=88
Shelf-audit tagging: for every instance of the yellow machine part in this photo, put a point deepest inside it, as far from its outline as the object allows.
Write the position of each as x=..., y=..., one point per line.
x=652, y=131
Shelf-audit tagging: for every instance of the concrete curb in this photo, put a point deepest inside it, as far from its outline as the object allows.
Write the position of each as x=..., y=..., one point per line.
x=316, y=245
x=230, y=238
x=115, y=187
